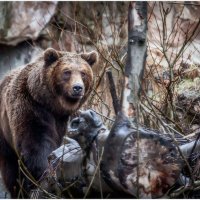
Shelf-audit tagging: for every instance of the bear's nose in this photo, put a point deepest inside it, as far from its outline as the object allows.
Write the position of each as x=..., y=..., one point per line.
x=77, y=89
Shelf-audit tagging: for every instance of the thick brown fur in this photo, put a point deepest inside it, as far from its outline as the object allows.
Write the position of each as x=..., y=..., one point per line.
x=35, y=103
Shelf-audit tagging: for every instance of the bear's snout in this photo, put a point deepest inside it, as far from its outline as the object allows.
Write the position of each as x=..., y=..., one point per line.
x=77, y=89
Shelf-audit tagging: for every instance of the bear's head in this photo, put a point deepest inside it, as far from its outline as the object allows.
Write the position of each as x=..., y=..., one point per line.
x=70, y=76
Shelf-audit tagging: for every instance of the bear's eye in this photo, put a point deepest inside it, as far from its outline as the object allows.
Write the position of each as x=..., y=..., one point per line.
x=67, y=74
x=83, y=74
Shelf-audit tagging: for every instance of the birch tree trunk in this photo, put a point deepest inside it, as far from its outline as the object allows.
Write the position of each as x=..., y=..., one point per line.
x=137, y=28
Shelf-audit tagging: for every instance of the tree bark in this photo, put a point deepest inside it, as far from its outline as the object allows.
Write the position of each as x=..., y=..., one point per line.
x=137, y=28
x=116, y=103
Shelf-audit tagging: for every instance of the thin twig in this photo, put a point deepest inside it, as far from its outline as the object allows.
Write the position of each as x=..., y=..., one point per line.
x=95, y=172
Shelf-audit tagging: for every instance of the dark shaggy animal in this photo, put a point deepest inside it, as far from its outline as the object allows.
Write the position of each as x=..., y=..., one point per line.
x=35, y=103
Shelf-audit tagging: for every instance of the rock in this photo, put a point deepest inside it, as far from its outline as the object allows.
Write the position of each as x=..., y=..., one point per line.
x=181, y=21
x=102, y=25
x=24, y=20
x=13, y=57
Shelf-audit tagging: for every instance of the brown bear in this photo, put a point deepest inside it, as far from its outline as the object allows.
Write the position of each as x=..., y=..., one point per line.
x=35, y=104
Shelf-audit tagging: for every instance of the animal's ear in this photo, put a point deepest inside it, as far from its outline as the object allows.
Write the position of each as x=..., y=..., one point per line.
x=50, y=56
x=91, y=58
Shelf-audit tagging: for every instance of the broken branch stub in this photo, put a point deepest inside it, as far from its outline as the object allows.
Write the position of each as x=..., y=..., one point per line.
x=137, y=28
x=115, y=100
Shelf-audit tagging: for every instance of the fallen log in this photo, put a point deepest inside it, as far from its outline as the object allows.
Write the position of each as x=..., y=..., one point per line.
x=114, y=162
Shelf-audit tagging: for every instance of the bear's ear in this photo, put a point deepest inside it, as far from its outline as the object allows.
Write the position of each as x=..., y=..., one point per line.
x=50, y=56
x=91, y=58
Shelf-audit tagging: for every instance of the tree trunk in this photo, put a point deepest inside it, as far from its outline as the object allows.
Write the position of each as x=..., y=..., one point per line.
x=137, y=28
